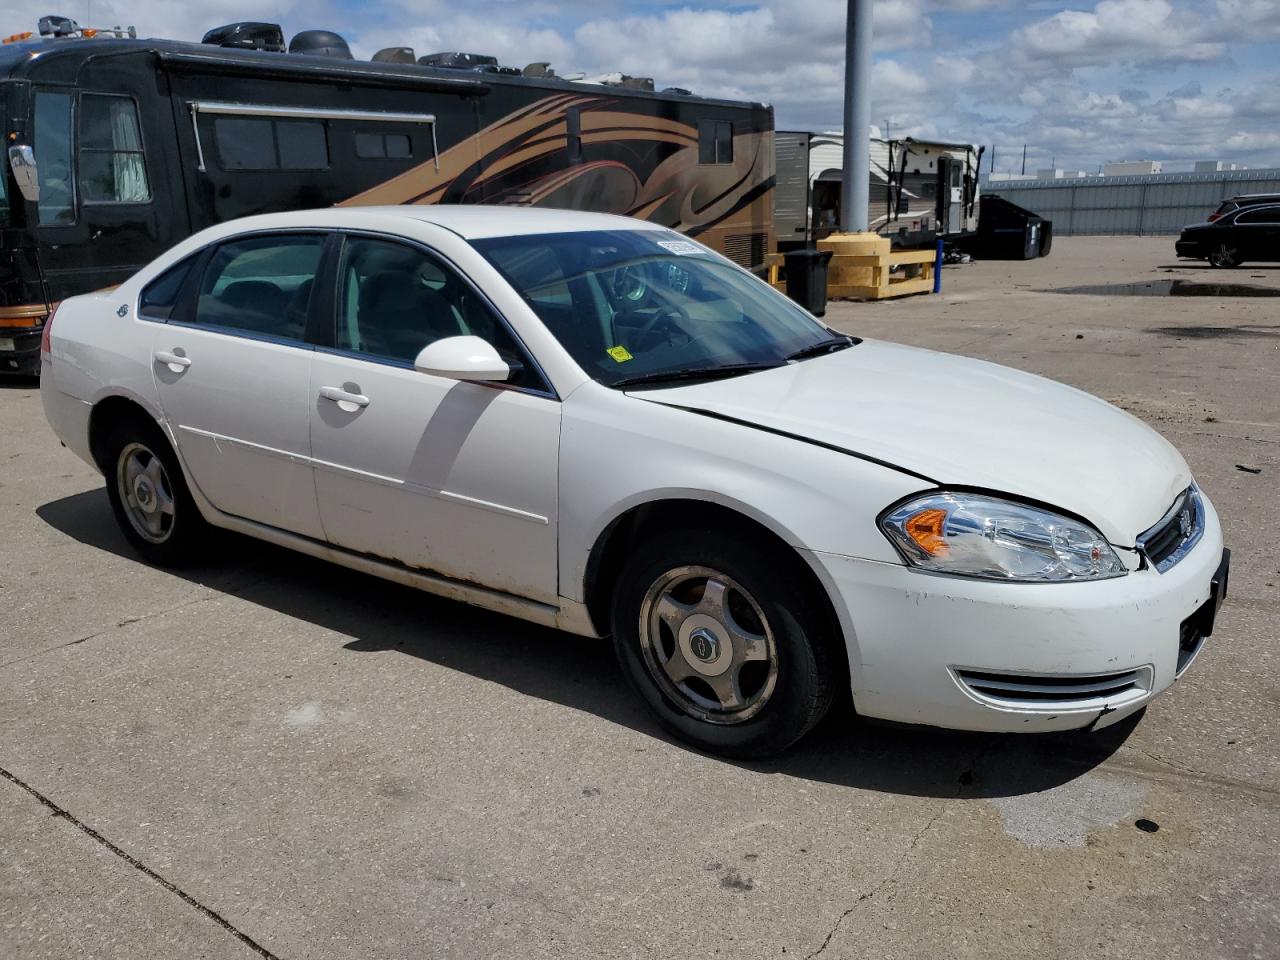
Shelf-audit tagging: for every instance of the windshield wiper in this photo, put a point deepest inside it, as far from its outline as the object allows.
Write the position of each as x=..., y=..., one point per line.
x=823, y=346
x=695, y=373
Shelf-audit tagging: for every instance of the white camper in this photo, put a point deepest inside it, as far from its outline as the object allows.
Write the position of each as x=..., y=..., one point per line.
x=920, y=190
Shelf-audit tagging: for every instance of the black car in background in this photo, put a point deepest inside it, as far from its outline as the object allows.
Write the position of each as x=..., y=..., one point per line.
x=1243, y=228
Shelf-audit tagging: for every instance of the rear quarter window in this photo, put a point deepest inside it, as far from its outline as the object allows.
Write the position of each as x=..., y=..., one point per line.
x=160, y=296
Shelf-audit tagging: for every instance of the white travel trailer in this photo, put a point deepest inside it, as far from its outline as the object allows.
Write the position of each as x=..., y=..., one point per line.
x=920, y=190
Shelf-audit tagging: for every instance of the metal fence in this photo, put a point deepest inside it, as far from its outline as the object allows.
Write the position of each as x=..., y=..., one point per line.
x=1153, y=204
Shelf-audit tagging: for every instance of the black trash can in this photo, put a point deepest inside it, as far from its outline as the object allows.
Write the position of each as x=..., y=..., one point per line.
x=807, y=278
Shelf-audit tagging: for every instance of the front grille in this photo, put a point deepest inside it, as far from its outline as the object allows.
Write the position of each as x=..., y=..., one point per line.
x=1176, y=533
x=1015, y=689
x=745, y=249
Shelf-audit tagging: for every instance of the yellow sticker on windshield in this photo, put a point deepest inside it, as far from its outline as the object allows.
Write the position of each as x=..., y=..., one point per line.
x=621, y=354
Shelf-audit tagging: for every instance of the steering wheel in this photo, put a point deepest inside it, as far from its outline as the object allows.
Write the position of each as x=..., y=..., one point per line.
x=668, y=314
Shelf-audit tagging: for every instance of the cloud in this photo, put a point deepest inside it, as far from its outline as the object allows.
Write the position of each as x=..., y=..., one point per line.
x=1074, y=80
x=1127, y=30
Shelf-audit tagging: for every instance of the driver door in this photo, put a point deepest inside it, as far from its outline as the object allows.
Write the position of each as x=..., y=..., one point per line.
x=455, y=478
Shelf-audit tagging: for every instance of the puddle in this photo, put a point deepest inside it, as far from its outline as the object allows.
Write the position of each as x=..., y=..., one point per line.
x=1172, y=288
x=1214, y=333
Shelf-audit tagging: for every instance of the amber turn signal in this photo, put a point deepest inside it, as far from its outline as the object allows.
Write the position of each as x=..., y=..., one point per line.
x=926, y=529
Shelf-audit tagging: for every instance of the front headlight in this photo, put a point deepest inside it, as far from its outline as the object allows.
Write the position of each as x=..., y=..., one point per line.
x=969, y=535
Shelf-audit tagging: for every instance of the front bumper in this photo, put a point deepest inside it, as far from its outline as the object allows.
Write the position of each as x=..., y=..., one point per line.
x=970, y=654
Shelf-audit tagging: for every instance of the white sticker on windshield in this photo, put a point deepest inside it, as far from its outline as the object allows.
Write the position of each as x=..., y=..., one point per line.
x=682, y=248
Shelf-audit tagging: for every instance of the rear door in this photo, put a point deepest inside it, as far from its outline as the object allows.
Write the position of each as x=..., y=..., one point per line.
x=232, y=367
x=1258, y=233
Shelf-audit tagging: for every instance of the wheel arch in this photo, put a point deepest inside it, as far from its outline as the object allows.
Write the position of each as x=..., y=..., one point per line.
x=638, y=521
x=114, y=408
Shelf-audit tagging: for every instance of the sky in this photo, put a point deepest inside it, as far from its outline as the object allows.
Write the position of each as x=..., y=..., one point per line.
x=1081, y=84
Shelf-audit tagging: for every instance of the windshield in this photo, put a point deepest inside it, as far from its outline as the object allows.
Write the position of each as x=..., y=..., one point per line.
x=632, y=304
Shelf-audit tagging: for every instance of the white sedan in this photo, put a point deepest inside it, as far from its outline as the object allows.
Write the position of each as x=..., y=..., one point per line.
x=597, y=424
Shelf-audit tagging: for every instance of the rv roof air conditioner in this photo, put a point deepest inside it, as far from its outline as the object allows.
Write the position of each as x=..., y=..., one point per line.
x=55, y=26
x=395, y=55
x=247, y=35
x=320, y=43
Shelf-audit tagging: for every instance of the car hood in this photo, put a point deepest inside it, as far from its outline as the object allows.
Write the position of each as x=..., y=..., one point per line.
x=962, y=422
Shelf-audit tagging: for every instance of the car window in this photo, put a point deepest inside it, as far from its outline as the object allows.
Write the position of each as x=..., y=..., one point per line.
x=1260, y=215
x=260, y=285
x=161, y=295
x=395, y=299
x=633, y=303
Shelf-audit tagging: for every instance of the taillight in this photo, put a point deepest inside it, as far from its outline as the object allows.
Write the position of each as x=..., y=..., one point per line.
x=1214, y=216
x=45, y=346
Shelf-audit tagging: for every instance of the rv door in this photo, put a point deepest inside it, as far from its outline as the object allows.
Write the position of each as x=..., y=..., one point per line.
x=111, y=192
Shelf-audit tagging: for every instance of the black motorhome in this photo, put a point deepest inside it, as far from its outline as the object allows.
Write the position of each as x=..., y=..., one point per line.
x=118, y=148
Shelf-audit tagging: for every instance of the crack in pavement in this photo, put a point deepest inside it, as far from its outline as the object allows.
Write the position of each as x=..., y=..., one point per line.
x=910, y=848
x=137, y=864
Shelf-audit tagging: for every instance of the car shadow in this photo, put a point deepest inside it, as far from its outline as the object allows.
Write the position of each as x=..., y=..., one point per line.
x=11, y=381
x=581, y=673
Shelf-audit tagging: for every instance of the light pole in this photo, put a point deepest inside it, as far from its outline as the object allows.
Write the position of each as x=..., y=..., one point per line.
x=855, y=198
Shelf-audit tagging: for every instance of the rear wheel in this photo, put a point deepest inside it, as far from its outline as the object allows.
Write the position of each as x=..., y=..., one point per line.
x=729, y=648
x=1223, y=255
x=148, y=494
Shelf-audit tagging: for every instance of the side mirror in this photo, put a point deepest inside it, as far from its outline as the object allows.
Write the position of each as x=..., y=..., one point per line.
x=462, y=358
x=23, y=161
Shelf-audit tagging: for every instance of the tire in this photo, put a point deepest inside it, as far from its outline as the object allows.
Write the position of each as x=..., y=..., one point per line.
x=759, y=661
x=149, y=494
x=1223, y=256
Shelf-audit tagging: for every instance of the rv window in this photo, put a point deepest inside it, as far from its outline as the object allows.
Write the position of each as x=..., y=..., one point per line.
x=260, y=286
x=302, y=145
x=254, y=143
x=706, y=141
x=113, y=167
x=373, y=146
x=715, y=141
x=573, y=134
x=724, y=142
x=53, y=156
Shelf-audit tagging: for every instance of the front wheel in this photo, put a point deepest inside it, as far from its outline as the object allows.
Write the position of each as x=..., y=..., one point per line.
x=1223, y=255
x=729, y=648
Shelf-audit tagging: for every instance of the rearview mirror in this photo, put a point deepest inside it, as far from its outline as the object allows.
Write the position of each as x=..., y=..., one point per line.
x=462, y=358
x=23, y=161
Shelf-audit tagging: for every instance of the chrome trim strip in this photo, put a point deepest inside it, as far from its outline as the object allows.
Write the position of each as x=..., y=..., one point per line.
x=1190, y=497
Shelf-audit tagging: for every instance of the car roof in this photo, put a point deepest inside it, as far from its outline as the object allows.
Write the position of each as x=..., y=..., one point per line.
x=1256, y=197
x=469, y=221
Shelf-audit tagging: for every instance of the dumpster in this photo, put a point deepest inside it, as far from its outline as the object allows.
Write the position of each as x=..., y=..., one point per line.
x=1007, y=231
x=807, y=278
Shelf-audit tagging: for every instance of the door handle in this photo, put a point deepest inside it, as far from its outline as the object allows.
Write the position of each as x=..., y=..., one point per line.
x=177, y=362
x=350, y=402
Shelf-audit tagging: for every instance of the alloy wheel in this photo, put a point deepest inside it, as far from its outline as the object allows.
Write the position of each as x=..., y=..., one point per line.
x=708, y=645
x=145, y=492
